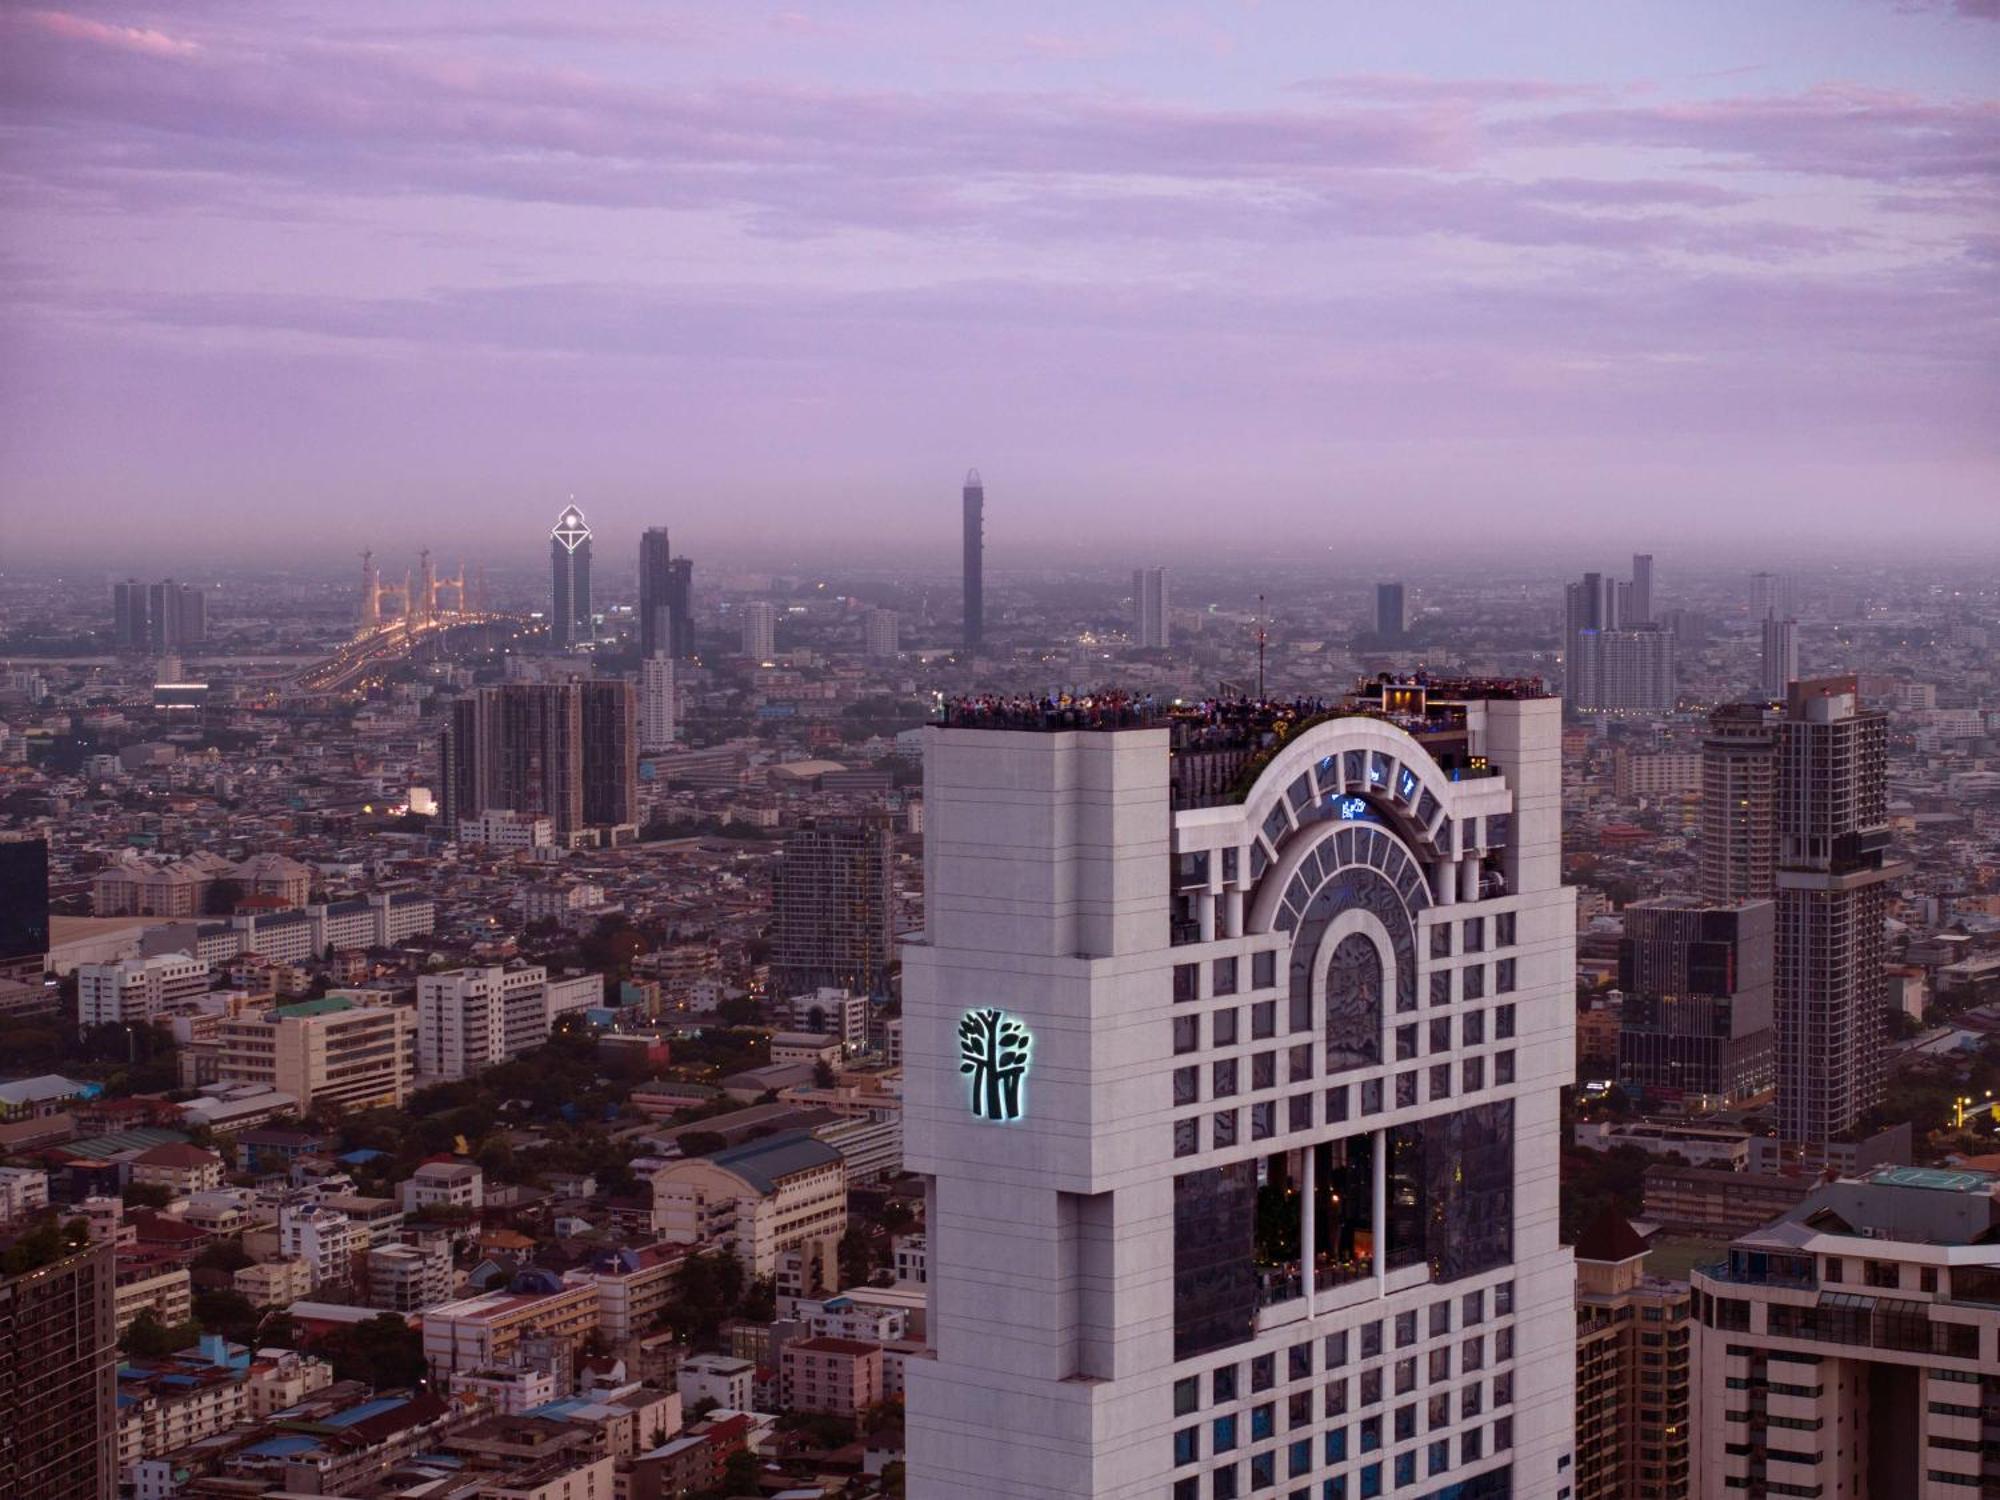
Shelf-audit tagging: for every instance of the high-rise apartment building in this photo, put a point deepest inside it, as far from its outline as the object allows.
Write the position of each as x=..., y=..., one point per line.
x=129, y=625
x=1392, y=620
x=1833, y=831
x=1697, y=1016
x=1739, y=805
x=569, y=581
x=882, y=633
x=1149, y=608
x=760, y=630
x=176, y=616
x=1233, y=1067
x=680, y=606
x=1852, y=1347
x=566, y=751
x=833, y=907
x=24, y=906
x=58, y=1376
x=1632, y=1370
x=1639, y=598
x=1613, y=665
x=1770, y=595
x=1780, y=659
x=974, y=499
x=656, y=584
x=658, y=726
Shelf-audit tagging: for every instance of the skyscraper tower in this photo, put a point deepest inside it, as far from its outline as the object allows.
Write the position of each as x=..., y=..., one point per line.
x=656, y=578
x=57, y=1383
x=1640, y=599
x=975, y=563
x=1781, y=657
x=427, y=588
x=1612, y=665
x=680, y=607
x=833, y=907
x=1149, y=608
x=1391, y=613
x=128, y=610
x=371, y=592
x=1833, y=892
x=1739, y=805
x=564, y=751
x=1770, y=594
x=569, y=589
x=760, y=630
x=1237, y=1163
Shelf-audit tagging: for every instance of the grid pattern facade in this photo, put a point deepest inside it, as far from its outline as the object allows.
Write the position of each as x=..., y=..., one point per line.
x=57, y=1379
x=833, y=907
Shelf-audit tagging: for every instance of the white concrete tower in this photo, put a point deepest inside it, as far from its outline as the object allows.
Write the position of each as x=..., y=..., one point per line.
x=1233, y=1053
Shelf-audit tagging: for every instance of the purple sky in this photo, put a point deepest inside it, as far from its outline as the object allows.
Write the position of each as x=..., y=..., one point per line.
x=1668, y=275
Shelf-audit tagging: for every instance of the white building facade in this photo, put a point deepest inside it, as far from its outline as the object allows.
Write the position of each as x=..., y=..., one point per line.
x=1234, y=1046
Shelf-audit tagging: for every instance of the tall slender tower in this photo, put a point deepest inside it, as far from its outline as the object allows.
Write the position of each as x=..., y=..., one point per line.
x=1640, y=596
x=1739, y=805
x=1781, y=656
x=1149, y=607
x=569, y=591
x=975, y=563
x=427, y=588
x=371, y=592
x=656, y=576
x=1391, y=612
x=1833, y=831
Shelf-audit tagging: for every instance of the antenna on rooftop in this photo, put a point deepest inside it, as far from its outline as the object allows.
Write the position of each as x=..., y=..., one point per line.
x=1263, y=635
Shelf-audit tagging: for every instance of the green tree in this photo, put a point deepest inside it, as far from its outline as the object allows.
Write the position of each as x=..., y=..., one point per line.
x=228, y=1313
x=383, y=1352
x=148, y=1195
x=149, y=1338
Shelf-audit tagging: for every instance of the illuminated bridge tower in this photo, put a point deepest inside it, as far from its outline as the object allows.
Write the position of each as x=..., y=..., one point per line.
x=569, y=588
x=1238, y=1109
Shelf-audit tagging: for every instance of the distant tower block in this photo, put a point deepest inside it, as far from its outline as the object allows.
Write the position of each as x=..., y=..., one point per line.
x=371, y=592
x=569, y=587
x=974, y=496
x=427, y=597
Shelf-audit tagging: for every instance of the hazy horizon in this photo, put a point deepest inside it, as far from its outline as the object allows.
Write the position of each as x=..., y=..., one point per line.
x=1222, y=281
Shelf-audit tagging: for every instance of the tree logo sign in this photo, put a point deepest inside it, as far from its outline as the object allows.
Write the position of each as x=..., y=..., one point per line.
x=993, y=1055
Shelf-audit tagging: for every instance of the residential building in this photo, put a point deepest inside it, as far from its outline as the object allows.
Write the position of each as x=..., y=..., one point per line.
x=882, y=633
x=1614, y=663
x=135, y=990
x=1667, y=773
x=1739, y=805
x=1149, y=608
x=1852, y=1347
x=760, y=1199
x=1833, y=906
x=358, y=1056
x=508, y=831
x=324, y=1238
x=1234, y=1050
x=841, y=1377
x=23, y=1191
x=143, y=1285
x=633, y=1287
x=656, y=613
x=831, y=1011
x=470, y=1019
x=275, y=1283
x=1697, y=983
x=486, y=1331
x=566, y=751
x=1716, y=1200
x=56, y=1381
x=658, y=727
x=760, y=630
x=456, y=1185
x=1632, y=1390
x=715, y=1378
x=833, y=906
x=178, y=1167
x=410, y=1278
x=973, y=498
x=570, y=620
x=1779, y=663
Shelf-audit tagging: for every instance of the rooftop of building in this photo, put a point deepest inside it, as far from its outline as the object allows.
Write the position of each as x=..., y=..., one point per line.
x=1916, y=1205
x=766, y=1162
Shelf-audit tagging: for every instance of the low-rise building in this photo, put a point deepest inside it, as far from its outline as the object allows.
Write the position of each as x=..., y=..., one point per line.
x=179, y=1168
x=718, y=1379
x=141, y=1285
x=759, y=1200
x=322, y=1237
x=356, y=1055
x=275, y=1283
x=841, y=1377
x=134, y=991
x=481, y=1332
x=458, y=1186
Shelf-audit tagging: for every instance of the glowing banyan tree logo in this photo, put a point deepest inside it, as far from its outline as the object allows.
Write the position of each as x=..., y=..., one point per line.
x=993, y=1053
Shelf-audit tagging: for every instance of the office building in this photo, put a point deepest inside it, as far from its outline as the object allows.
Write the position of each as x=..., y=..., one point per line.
x=1739, y=805
x=135, y=991
x=1149, y=608
x=657, y=716
x=569, y=581
x=760, y=630
x=1780, y=660
x=1697, y=981
x=24, y=906
x=58, y=1378
x=974, y=498
x=1833, y=893
x=883, y=633
x=1233, y=1064
x=833, y=907
x=1392, y=620
x=1852, y=1347
x=565, y=751
x=358, y=1056
x=1612, y=666
x=680, y=606
x=1632, y=1370
x=656, y=593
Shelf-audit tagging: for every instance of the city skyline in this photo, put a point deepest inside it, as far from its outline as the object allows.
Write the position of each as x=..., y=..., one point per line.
x=1280, y=259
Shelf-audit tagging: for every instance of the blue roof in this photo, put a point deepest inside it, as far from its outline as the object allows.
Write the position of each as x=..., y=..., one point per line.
x=365, y=1410
x=283, y=1447
x=363, y=1153
x=763, y=1162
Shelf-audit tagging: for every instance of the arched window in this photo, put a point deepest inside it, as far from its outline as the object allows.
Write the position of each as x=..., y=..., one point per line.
x=1354, y=1003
